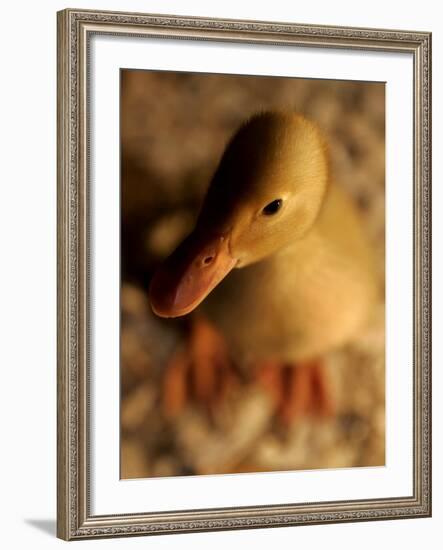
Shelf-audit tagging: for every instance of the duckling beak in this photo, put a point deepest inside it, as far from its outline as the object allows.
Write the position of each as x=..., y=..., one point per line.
x=186, y=277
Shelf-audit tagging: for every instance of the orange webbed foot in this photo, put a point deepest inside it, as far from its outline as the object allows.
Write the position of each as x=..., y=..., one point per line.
x=297, y=390
x=200, y=372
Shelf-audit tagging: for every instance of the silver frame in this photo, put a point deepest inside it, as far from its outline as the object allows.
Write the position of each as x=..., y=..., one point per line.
x=74, y=518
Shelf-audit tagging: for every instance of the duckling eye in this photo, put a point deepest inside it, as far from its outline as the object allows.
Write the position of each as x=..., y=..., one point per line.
x=272, y=208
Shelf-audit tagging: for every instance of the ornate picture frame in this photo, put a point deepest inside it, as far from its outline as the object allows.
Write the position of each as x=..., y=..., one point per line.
x=75, y=518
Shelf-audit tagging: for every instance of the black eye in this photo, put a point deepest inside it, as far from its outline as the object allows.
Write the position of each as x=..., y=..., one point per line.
x=272, y=208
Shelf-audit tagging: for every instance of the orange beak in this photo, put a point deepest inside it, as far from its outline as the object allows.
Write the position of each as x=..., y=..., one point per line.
x=186, y=277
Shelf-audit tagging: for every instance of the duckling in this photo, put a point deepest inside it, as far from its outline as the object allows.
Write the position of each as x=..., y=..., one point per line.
x=278, y=265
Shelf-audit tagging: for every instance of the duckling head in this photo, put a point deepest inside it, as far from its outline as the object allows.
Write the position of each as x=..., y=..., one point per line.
x=265, y=195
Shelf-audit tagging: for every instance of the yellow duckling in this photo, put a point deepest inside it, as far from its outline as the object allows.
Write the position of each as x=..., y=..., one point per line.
x=301, y=279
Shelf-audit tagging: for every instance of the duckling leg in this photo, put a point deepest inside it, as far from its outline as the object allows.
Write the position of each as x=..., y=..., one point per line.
x=322, y=402
x=175, y=391
x=200, y=372
x=297, y=395
x=297, y=390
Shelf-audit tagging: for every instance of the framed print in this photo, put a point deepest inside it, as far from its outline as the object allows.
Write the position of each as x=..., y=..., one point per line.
x=244, y=247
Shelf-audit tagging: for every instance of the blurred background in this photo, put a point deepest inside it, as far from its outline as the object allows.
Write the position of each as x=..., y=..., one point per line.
x=174, y=127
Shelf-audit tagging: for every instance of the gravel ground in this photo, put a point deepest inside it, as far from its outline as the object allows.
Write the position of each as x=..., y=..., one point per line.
x=173, y=129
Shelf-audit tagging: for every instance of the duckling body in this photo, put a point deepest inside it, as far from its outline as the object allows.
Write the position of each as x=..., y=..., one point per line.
x=278, y=260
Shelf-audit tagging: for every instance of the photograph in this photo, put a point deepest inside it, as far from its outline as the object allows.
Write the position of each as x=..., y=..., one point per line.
x=244, y=247
x=252, y=231
x=217, y=275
